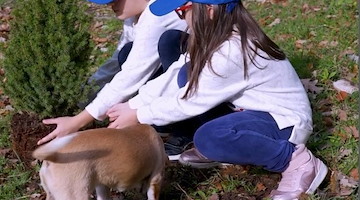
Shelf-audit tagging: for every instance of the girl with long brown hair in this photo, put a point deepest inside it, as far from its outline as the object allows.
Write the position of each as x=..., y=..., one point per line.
x=232, y=60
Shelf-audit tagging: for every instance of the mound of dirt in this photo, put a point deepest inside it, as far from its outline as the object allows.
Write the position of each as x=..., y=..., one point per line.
x=26, y=129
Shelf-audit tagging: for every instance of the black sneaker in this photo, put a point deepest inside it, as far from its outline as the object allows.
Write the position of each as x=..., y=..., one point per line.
x=175, y=145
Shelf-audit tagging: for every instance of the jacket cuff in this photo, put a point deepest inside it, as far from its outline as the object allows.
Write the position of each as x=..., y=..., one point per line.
x=135, y=102
x=144, y=115
x=94, y=112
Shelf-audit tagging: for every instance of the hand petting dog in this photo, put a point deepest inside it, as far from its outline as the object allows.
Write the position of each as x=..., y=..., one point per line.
x=121, y=115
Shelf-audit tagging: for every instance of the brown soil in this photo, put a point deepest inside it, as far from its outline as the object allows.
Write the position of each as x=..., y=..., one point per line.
x=26, y=130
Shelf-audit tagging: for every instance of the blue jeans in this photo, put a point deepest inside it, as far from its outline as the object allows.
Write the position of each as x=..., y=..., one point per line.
x=246, y=137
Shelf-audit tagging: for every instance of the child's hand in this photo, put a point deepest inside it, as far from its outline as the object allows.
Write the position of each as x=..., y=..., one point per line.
x=121, y=115
x=116, y=110
x=66, y=125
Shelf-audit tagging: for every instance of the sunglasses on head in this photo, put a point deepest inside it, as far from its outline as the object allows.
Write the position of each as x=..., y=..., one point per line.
x=181, y=11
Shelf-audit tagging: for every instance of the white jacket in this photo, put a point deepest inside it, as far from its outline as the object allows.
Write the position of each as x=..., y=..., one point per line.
x=142, y=62
x=272, y=87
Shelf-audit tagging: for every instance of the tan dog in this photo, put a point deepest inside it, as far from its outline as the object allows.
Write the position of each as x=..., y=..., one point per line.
x=76, y=164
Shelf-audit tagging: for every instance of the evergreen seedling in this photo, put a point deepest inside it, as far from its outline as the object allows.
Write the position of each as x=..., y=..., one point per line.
x=47, y=58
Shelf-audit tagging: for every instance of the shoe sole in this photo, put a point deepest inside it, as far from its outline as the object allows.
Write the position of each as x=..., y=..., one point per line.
x=174, y=157
x=200, y=165
x=320, y=176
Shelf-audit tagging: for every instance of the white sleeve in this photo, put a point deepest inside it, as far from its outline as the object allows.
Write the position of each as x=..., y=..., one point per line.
x=143, y=60
x=127, y=33
x=164, y=85
x=213, y=89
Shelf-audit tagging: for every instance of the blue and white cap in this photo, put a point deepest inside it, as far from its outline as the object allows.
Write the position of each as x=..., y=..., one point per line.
x=163, y=7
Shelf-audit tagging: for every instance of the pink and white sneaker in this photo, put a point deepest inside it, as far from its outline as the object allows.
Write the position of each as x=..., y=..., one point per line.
x=304, y=175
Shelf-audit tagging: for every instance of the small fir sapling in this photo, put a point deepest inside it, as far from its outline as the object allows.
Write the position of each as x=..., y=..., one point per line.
x=47, y=59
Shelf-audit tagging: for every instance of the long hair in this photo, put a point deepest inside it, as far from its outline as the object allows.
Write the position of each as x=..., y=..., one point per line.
x=208, y=34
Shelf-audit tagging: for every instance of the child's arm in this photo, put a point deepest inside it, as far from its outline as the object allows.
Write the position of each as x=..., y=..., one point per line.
x=141, y=63
x=66, y=125
x=213, y=90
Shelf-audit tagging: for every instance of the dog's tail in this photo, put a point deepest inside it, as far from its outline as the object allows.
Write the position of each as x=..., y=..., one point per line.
x=49, y=150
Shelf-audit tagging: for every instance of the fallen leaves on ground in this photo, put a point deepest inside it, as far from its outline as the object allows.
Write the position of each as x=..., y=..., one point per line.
x=311, y=86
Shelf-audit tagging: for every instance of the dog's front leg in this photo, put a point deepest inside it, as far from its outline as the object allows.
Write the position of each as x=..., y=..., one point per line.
x=102, y=192
x=44, y=176
x=153, y=192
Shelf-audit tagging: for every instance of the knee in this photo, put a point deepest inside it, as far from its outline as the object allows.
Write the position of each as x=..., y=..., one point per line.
x=205, y=138
x=169, y=37
x=124, y=52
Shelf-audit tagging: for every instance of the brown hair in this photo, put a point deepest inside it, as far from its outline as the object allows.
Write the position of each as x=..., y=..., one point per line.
x=208, y=34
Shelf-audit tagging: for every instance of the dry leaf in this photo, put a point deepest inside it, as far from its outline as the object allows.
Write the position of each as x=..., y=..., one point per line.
x=300, y=43
x=100, y=40
x=316, y=8
x=334, y=184
x=312, y=33
x=260, y=187
x=262, y=21
x=342, y=184
x=310, y=86
x=325, y=105
x=346, y=181
x=276, y=21
x=353, y=57
x=5, y=27
x=334, y=43
x=354, y=173
x=214, y=197
x=3, y=152
x=283, y=37
x=344, y=152
x=328, y=121
x=342, y=115
x=345, y=191
x=305, y=8
x=347, y=52
x=353, y=130
x=341, y=96
x=345, y=85
x=323, y=43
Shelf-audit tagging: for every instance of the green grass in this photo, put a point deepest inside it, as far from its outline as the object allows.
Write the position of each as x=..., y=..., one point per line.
x=14, y=176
